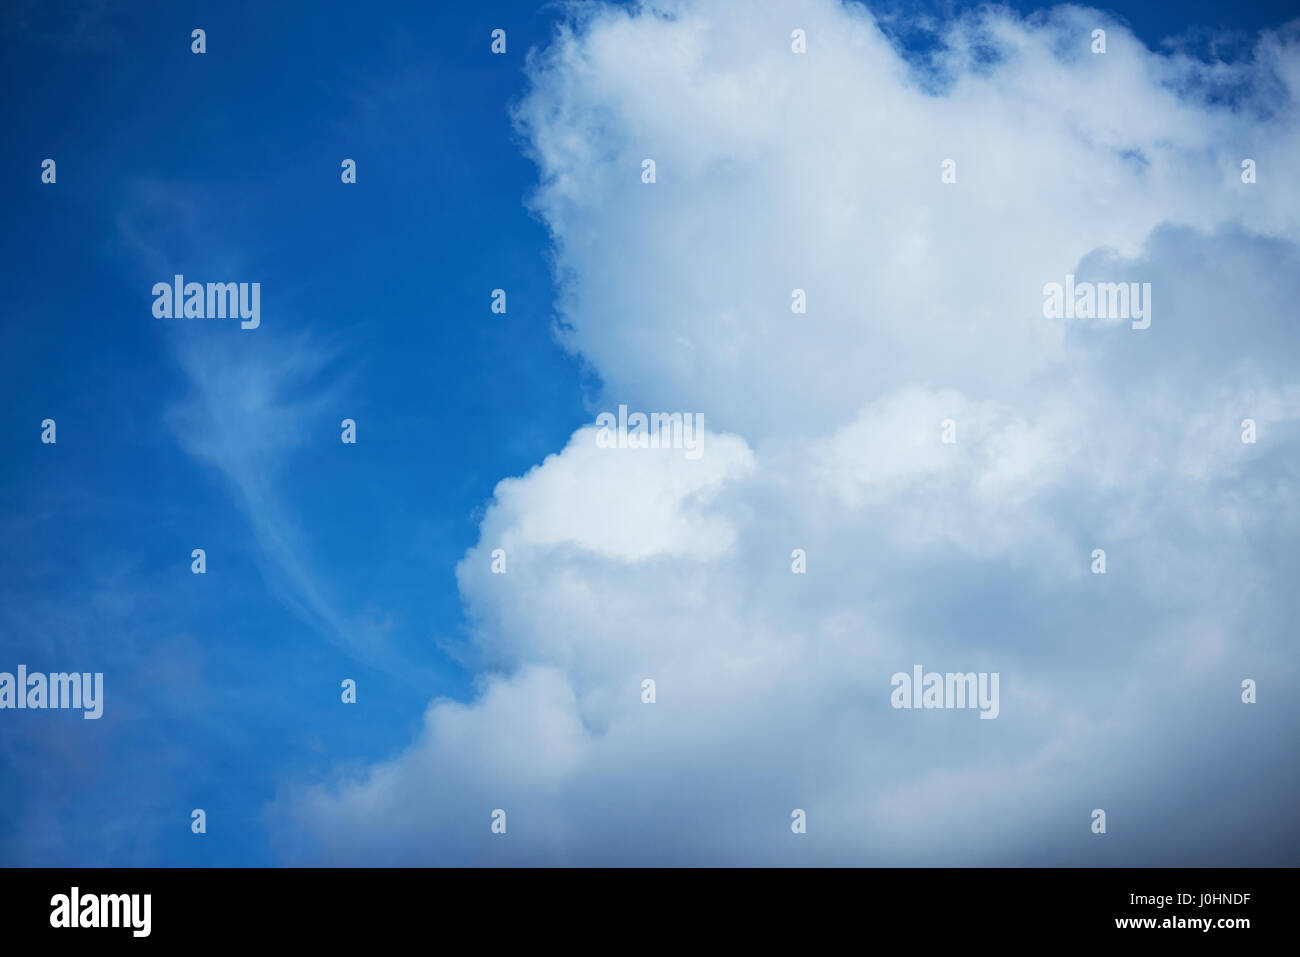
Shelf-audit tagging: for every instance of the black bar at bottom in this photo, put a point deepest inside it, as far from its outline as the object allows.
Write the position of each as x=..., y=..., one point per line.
x=656, y=907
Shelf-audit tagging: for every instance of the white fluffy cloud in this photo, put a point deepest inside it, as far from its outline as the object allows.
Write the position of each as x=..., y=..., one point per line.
x=633, y=506
x=821, y=171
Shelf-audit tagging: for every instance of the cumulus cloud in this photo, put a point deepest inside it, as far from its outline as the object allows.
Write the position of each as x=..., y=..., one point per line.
x=633, y=506
x=820, y=171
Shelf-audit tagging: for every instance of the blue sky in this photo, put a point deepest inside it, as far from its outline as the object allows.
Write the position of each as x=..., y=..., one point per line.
x=230, y=161
x=328, y=561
